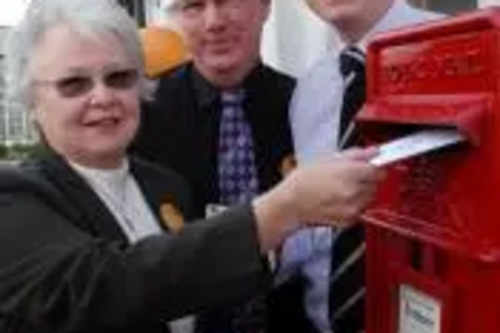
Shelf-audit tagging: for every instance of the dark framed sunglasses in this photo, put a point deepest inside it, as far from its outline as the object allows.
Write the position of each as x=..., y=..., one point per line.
x=79, y=84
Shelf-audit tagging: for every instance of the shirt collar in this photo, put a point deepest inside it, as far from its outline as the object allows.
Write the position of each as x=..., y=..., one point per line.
x=396, y=16
x=113, y=179
x=207, y=94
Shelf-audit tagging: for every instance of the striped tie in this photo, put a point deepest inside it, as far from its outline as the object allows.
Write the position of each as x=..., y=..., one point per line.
x=352, y=68
x=347, y=291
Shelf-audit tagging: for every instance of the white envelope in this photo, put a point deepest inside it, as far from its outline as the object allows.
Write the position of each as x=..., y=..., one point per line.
x=416, y=144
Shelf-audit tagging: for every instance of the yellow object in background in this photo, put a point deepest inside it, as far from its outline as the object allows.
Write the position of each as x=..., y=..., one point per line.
x=163, y=49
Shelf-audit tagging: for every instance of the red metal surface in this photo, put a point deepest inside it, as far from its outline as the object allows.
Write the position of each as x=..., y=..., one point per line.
x=436, y=225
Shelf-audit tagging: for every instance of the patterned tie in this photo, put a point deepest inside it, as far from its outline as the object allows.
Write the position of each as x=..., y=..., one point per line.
x=238, y=183
x=347, y=290
x=236, y=166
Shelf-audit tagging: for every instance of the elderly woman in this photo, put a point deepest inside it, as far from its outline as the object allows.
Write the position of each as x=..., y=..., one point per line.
x=81, y=241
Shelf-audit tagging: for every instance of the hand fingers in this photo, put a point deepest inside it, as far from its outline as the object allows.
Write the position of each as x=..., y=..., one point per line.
x=360, y=154
x=369, y=174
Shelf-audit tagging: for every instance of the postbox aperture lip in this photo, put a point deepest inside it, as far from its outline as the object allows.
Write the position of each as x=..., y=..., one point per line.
x=464, y=113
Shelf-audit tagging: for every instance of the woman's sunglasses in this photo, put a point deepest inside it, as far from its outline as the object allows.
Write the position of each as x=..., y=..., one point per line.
x=78, y=85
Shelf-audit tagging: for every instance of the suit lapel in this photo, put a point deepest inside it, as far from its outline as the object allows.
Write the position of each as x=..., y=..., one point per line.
x=89, y=212
x=269, y=122
x=147, y=185
x=151, y=190
x=162, y=193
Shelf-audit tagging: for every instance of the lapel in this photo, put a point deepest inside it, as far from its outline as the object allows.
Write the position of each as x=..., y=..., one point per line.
x=267, y=114
x=205, y=112
x=88, y=211
x=160, y=194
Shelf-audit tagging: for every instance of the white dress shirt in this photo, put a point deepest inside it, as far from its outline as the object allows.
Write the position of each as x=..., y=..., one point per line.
x=121, y=194
x=314, y=117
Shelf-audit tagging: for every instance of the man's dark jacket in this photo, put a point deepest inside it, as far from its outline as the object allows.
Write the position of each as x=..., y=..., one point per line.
x=180, y=129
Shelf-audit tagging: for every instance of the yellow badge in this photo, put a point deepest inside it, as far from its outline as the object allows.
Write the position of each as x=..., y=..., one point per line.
x=288, y=163
x=171, y=217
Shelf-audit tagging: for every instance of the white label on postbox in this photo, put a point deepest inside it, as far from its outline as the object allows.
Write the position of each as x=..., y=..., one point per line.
x=415, y=144
x=418, y=312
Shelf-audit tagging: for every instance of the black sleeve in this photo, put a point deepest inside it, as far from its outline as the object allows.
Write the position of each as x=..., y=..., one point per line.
x=54, y=278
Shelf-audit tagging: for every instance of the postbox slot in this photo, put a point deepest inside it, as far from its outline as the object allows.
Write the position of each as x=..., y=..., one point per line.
x=395, y=115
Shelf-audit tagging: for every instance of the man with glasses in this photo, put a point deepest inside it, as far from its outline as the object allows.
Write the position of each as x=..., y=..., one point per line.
x=221, y=120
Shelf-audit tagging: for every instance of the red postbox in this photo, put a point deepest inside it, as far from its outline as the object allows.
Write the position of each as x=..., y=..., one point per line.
x=433, y=236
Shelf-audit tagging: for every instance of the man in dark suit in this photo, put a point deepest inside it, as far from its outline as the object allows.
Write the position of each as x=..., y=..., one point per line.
x=182, y=129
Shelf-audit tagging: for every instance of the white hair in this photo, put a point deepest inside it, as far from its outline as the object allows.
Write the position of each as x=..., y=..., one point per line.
x=92, y=18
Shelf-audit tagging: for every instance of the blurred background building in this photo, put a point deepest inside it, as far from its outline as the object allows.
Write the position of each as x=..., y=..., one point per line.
x=15, y=125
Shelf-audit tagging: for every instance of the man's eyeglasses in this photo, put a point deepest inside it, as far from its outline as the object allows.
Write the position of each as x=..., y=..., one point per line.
x=78, y=85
